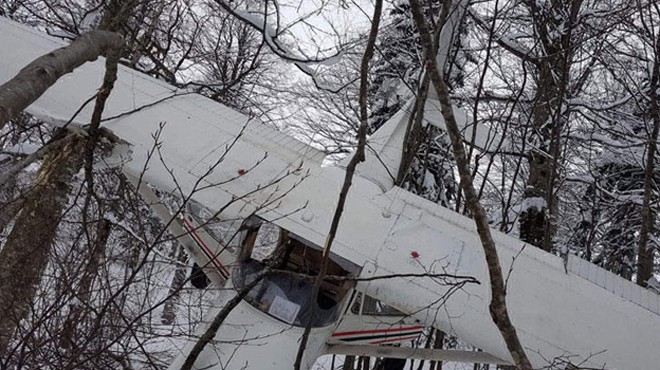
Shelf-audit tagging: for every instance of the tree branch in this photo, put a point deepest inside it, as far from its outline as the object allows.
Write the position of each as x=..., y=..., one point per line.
x=35, y=78
x=350, y=168
x=498, y=308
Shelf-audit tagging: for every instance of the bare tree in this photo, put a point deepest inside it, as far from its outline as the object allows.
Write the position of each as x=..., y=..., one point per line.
x=33, y=80
x=498, y=308
x=26, y=251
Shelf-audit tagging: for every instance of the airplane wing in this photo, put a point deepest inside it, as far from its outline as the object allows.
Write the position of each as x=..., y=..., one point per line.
x=570, y=309
x=197, y=132
x=563, y=310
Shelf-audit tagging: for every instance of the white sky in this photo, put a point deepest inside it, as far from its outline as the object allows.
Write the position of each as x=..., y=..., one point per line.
x=325, y=24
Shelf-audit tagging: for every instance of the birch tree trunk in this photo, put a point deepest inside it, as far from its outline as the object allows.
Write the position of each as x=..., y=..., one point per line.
x=10, y=202
x=8, y=212
x=25, y=254
x=33, y=80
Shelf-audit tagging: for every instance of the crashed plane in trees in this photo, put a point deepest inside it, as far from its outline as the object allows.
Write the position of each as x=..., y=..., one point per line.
x=272, y=190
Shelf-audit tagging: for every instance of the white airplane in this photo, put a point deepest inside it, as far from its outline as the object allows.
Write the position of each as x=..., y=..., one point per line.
x=272, y=190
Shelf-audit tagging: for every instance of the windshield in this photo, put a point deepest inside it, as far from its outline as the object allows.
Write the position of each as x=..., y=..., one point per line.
x=287, y=294
x=286, y=297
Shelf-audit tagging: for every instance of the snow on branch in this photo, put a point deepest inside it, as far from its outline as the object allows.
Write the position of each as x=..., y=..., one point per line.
x=504, y=41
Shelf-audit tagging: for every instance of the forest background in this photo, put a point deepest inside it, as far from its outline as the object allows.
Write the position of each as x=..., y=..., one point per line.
x=563, y=96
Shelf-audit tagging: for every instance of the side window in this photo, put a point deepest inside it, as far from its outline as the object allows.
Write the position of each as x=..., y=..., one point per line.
x=259, y=239
x=373, y=307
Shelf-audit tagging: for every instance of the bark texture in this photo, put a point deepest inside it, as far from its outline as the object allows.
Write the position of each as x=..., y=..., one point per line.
x=26, y=252
x=498, y=308
x=33, y=80
x=646, y=253
x=537, y=220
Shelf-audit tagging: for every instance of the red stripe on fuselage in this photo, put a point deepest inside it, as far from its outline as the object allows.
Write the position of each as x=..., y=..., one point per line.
x=203, y=245
x=378, y=331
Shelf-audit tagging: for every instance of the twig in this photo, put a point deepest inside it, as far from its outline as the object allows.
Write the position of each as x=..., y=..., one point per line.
x=498, y=307
x=210, y=332
x=350, y=170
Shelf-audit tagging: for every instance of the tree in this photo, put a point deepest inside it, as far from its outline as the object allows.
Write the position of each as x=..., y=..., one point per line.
x=618, y=218
x=26, y=252
x=45, y=203
x=567, y=88
x=554, y=26
x=35, y=78
x=498, y=307
x=427, y=165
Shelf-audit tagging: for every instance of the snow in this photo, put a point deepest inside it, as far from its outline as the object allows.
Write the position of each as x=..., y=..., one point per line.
x=91, y=19
x=258, y=21
x=429, y=180
x=605, y=327
x=62, y=34
x=24, y=148
x=537, y=203
x=332, y=60
x=654, y=284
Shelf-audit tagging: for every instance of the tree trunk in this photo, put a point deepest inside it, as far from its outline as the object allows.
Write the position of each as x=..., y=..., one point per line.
x=10, y=204
x=645, y=254
x=537, y=219
x=438, y=343
x=358, y=156
x=498, y=307
x=349, y=363
x=84, y=290
x=26, y=251
x=33, y=80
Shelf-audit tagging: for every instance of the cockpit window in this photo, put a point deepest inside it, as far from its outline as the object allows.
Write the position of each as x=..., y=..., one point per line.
x=287, y=294
x=373, y=307
x=286, y=297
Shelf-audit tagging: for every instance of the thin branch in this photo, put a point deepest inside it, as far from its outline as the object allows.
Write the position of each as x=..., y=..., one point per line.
x=211, y=331
x=350, y=169
x=498, y=308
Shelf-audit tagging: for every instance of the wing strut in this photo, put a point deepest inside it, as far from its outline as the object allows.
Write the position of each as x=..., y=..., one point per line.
x=175, y=227
x=416, y=353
